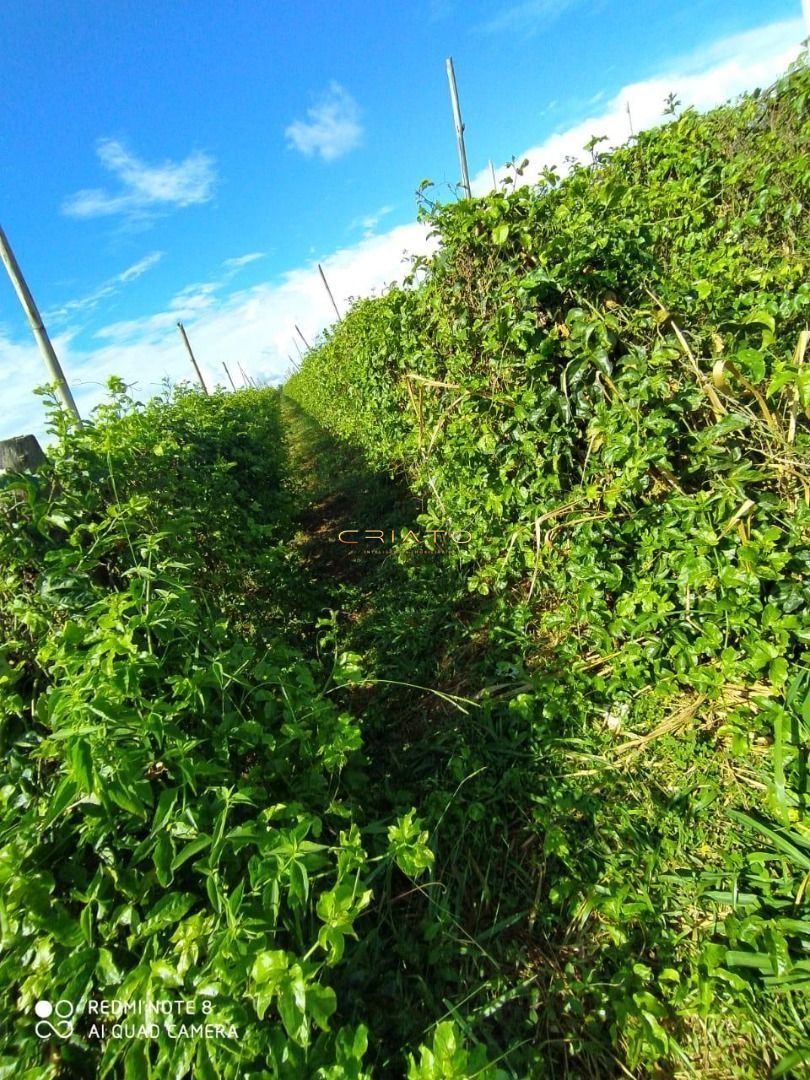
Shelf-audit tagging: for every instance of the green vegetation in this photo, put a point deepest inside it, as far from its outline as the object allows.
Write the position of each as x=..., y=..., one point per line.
x=515, y=788
x=599, y=384
x=175, y=823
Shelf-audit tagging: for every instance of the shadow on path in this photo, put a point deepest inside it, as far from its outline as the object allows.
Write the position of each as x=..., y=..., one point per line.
x=420, y=634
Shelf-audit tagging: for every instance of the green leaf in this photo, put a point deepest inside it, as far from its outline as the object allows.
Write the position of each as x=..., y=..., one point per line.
x=269, y=966
x=162, y=857
x=321, y=1004
x=798, y=857
x=192, y=848
x=787, y=1065
x=205, y=1069
x=292, y=1004
x=82, y=764
x=125, y=797
x=136, y=1061
x=500, y=234
x=167, y=911
x=753, y=364
x=62, y=798
x=761, y=318
x=408, y=845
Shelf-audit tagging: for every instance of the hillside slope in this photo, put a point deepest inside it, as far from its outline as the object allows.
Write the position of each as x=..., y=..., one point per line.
x=599, y=391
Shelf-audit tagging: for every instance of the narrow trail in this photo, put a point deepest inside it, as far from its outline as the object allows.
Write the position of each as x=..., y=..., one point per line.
x=391, y=617
x=413, y=623
x=336, y=492
x=404, y=616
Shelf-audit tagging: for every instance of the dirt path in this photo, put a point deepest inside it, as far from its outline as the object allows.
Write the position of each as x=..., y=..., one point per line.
x=336, y=491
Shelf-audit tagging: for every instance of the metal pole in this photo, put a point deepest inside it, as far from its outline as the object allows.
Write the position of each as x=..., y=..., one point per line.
x=228, y=374
x=462, y=153
x=184, y=336
x=37, y=326
x=326, y=284
x=302, y=337
x=630, y=120
x=492, y=170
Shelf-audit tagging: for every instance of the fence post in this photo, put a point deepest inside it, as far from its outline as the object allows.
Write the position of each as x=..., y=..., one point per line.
x=37, y=326
x=246, y=377
x=184, y=336
x=230, y=380
x=297, y=327
x=326, y=284
x=462, y=152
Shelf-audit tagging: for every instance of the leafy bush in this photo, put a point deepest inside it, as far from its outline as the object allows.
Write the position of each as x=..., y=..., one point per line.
x=604, y=382
x=174, y=825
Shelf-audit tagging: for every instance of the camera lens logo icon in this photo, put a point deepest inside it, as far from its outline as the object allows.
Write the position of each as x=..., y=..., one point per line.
x=61, y=1026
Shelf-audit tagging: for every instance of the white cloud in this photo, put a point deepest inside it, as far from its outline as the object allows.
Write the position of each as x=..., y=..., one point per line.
x=703, y=79
x=526, y=16
x=258, y=323
x=145, y=189
x=107, y=288
x=368, y=222
x=242, y=260
x=138, y=268
x=255, y=325
x=333, y=126
x=188, y=303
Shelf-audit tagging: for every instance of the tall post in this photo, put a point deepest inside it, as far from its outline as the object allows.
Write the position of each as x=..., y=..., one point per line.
x=246, y=377
x=492, y=172
x=630, y=120
x=184, y=336
x=326, y=285
x=302, y=337
x=37, y=326
x=230, y=380
x=462, y=153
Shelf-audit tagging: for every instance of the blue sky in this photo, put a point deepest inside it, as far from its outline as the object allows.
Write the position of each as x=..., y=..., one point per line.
x=196, y=160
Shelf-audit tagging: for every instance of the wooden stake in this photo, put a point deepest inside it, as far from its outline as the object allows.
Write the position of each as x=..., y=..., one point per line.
x=228, y=374
x=37, y=326
x=246, y=377
x=326, y=285
x=184, y=336
x=462, y=153
x=302, y=337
